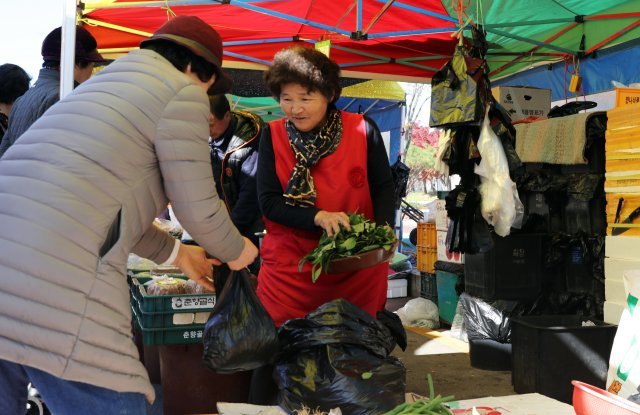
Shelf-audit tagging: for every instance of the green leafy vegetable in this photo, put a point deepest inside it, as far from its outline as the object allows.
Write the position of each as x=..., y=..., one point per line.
x=434, y=405
x=364, y=236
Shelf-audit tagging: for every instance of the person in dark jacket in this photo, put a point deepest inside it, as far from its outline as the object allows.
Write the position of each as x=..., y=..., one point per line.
x=234, y=140
x=14, y=82
x=46, y=91
x=234, y=137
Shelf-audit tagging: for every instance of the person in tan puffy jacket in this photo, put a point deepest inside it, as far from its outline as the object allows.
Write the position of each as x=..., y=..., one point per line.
x=79, y=191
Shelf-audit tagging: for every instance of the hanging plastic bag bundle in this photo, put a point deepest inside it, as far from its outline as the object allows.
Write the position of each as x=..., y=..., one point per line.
x=460, y=90
x=239, y=335
x=500, y=206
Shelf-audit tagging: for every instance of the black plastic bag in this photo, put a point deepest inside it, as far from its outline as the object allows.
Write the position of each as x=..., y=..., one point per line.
x=571, y=108
x=501, y=125
x=394, y=324
x=468, y=231
x=239, y=335
x=400, y=173
x=462, y=155
x=338, y=356
x=487, y=320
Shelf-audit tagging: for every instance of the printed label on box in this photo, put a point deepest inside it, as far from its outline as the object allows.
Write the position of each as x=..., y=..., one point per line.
x=443, y=252
x=181, y=303
x=523, y=102
x=192, y=334
x=627, y=96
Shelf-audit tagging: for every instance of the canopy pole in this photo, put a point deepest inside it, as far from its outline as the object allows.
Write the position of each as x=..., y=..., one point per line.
x=124, y=29
x=528, y=23
x=550, y=39
x=68, y=51
x=532, y=41
x=613, y=16
x=378, y=16
x=426, y=12
x=613, y=36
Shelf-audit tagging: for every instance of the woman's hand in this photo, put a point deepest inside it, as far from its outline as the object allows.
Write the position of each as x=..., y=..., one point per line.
x=247, y=256
x=331, y=221
x=193, y=261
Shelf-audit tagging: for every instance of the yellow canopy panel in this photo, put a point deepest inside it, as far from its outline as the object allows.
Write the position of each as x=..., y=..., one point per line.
x=390, y=90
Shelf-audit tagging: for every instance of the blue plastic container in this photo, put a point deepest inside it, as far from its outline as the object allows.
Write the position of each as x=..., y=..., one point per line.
x=447, y=296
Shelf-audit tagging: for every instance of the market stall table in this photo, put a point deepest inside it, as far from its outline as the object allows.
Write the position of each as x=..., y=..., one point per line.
x=525, y=404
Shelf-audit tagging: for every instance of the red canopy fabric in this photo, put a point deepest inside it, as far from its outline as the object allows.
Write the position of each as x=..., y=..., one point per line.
x=396, y=43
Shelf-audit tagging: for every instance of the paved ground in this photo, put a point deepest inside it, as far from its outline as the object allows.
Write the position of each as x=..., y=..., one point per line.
x=447, y=359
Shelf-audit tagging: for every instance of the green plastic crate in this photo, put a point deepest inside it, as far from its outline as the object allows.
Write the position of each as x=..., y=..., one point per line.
x=170, y=320
x=169, y=303
x=429, y=287
x=176, y=335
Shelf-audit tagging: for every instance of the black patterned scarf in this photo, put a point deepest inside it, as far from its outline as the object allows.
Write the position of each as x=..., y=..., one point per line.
x=309, y=148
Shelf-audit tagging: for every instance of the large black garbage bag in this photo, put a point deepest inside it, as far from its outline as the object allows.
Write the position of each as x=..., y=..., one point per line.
x=488, y=320
x=338, y=356
x=452, y=267
x=394, y=324
x=581, y=186
x=591, y=247
x=239, y=335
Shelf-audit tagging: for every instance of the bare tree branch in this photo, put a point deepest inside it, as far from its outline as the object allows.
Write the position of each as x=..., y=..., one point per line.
x=417, y=96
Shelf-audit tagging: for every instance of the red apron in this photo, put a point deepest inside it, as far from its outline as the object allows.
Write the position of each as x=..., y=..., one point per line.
x=342, y=185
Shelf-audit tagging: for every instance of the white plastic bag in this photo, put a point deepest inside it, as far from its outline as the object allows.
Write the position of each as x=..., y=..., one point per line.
x=500, y=206
x=419, y=312
x=623, y=377
x=458, y=330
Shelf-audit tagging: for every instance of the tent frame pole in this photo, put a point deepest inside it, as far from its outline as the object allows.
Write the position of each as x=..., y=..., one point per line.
x=613, y=36
x=68, y=48
x=550, y=39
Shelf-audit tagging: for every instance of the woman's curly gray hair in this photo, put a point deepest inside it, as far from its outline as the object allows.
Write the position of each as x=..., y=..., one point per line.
x=305, y=66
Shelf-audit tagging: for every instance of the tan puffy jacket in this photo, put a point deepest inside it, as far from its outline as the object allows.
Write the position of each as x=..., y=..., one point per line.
x=79, y=192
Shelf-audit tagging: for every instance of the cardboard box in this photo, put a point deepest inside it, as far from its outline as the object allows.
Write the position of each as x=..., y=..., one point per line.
x=614, y=268
x=627, y=96
x=522, y=102
x=613, y=311
x=623, y=117
x=614, y=291
x=443, y=253
x=622, y=247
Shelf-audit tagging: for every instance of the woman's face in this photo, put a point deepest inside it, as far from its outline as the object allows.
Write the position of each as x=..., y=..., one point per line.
x=305, y=109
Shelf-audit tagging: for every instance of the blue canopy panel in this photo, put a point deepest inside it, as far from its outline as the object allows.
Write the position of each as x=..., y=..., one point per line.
x=619, y=63
x=386, y=114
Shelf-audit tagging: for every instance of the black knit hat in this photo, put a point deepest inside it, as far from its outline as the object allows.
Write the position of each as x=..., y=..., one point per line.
x=86, y=46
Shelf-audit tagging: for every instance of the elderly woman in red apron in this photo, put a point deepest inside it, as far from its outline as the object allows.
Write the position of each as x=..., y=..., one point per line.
x=316, y=165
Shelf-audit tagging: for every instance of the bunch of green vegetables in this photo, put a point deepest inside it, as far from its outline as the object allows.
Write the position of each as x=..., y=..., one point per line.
x=434, y=405
x=364, y=236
